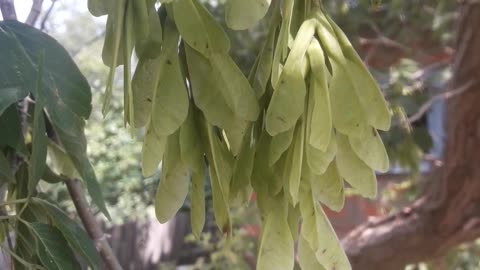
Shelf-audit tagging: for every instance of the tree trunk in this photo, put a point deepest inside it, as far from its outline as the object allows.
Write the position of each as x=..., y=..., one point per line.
x=448, y=212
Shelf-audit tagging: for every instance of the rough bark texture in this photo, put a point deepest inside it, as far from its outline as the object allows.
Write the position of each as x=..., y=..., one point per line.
x=448, y=212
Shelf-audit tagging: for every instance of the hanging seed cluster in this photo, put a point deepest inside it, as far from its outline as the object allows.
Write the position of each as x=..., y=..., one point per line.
x=302, y=122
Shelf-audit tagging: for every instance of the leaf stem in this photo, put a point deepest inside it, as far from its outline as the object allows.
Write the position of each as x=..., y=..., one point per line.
x=13, y=202
x=22, y=261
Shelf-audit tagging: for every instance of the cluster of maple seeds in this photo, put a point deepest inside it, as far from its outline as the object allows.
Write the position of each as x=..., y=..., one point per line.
x=302, y=122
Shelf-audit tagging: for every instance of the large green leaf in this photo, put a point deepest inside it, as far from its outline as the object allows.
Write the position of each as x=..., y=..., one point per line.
x=53, y=249
x=354, y=170
x=206, y=94
x=221, y=170
x=62, y=78
x=174, y=180
x=235, y=87
x=9, y=95
x=73, y=233
x=11, y=134
x=243, y=14
x=38, y=158
x=198, y=27
x=287, y=103
x=152, y=151
x=191, y=147
x=16, y=77
x=5, y=171
x=197, y=198
x=279, y=145
x=318, y=232
x=65, y=91
x=276, y=251
x=170, y=101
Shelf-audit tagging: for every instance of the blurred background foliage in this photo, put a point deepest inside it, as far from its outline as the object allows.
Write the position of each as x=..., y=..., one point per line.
x=406, y=44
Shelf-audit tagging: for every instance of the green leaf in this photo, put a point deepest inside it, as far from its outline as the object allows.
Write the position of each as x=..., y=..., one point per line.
x=279, y=144
x=235, y=135
x=235, y=87
x=244, y=14
x=370, y=149
x=321, y=119
x=262, y=174
x=281, y=48
x=150, y=46
x=205, y=92
x=10, y=95
x=347, y=113
x=69, y=129
x=61, y=161
x=174, y=180
x=306, y=256
x=197, y=198
x=265, y=60
x=221, y=169
x=318, y=232
x=98, y=7
x=62, y=81
x=354, y=170
x=294, y=160
x=191, y=147
x=198, y=28
x=152, y=151
x=287, y=103
x=38, y=158
x=11, y=134
x=370, y=95
x=293, y=219
x=73, y=233
x=141, y=22
x=67, y=98
x=276, y=249
x=53, y=249
x=317, y=160
x=170, y=104
x=300, y=45
x=18, y=77
x=243, y=167
x=113, y=47
x=5, y=171
x=328, y=188
x=144, y=83
x=328, y=38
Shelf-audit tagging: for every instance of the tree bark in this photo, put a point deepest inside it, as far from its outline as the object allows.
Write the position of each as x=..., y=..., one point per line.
x=448, y=212
x=8, y=10
x=91, y=226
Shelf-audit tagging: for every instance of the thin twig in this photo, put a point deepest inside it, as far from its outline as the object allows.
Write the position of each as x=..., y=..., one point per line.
x=34, y=12
x=47, y=15
x=8, y=10
x=442, y=96
x=89, y=222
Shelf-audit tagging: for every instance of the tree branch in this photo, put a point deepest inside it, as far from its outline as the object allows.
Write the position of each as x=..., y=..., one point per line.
x=34, y=12
x=442, y=96
x=47, y=15
x=89, y=222
x=8, y=10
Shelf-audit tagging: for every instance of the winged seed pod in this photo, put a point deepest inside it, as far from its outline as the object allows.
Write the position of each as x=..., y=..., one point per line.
x=303, y=122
